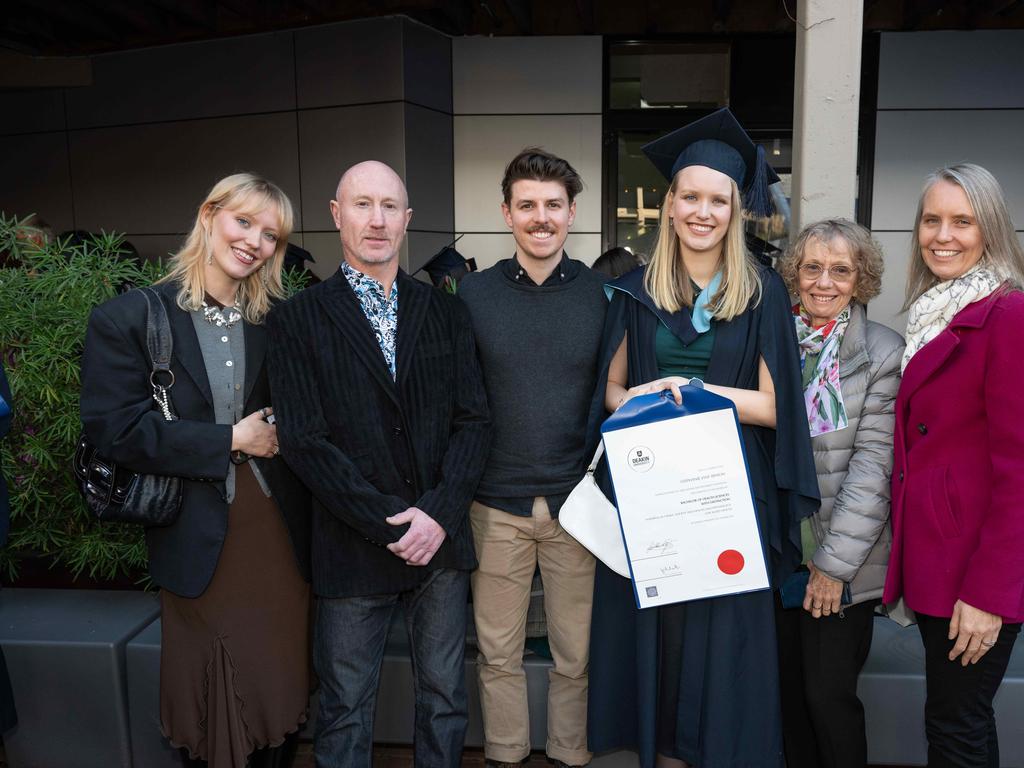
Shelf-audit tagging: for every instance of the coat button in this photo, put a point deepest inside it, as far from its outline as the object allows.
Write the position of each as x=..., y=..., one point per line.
x=396, y=431
x=922, y=429
x=407, y=481
x=901, y=475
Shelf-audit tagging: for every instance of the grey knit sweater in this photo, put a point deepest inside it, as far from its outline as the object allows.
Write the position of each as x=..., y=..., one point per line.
x=538, y=347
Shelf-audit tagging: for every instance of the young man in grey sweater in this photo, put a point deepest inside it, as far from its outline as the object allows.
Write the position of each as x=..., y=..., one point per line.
x=537, y=318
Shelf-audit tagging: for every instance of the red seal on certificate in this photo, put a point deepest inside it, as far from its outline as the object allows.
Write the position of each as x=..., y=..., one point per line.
x=730, y=562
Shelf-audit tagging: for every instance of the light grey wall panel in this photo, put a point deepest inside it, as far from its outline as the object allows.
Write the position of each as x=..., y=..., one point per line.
x=428, y=168
x=885, y=308
x=484, y=145
x=34, y=169
x=909, y=145
x=527, y=75
x=332, y=140
x=427, y=66
x=951, y=70
x=237, y=75
x=151, y=178
x=29, y=111
x=489, y=249
x=352, y=63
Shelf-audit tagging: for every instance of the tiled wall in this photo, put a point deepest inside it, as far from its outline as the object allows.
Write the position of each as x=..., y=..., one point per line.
x=943, y=97
x=136, y=151
x=514, y=92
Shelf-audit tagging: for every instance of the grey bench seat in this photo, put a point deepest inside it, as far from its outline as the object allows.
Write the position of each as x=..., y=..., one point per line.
x=65, y=651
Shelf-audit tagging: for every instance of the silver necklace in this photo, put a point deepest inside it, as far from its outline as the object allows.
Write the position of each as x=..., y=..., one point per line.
x=217, y=314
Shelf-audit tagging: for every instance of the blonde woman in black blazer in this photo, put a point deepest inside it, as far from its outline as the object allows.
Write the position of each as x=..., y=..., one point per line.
x=234, y=660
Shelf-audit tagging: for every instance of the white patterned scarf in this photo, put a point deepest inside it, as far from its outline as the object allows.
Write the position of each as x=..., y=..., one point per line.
x=936, y=307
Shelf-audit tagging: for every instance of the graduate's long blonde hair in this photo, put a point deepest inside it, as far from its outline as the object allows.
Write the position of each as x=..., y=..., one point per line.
x=666, y=278
x=249, y=194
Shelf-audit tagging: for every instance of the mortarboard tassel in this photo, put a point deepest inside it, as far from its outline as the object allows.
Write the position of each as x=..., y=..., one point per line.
x=758, y=198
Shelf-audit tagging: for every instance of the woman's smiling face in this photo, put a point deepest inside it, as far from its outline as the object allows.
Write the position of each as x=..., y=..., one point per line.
x=701, y=208
x=827, y=277
x=950, y=238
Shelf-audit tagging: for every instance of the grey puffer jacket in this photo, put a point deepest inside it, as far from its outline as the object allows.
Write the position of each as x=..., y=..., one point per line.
x=854, y=464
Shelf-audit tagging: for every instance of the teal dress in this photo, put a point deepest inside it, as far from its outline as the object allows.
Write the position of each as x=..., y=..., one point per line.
x=675, y=358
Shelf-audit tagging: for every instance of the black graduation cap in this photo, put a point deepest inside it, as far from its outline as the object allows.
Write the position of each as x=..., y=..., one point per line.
x=448, y=262
x=718, y=141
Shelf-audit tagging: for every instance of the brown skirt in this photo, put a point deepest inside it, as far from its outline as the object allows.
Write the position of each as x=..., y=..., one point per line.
x=234, y=662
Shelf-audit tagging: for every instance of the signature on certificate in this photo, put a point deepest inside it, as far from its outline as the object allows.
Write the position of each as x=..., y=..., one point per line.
x=661, y=547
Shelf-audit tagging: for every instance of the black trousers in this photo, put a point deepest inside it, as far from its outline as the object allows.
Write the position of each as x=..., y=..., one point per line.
x=958, y=716
x=819, y=661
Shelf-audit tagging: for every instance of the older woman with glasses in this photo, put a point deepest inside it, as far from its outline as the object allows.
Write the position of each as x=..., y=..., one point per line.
x=851, y=372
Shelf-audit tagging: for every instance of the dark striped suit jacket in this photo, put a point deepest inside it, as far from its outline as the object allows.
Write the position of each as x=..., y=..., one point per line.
x=369, y=446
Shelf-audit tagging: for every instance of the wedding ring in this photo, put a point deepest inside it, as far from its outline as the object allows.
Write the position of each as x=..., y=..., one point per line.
x=988, y=644
x=277, y=449
x=263, y=413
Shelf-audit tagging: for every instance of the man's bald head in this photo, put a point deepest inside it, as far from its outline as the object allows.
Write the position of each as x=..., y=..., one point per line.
x=374, y=173
x=371, y=212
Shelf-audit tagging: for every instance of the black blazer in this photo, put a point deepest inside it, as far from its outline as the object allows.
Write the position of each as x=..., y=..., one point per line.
x=368, y=446
x=119, y=417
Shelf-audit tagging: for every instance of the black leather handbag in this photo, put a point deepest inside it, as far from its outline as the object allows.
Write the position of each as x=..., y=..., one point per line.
x=116, y=494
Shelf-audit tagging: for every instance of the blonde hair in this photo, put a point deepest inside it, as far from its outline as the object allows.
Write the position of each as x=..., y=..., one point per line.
x=864, y=250
x=668, y=282
x=1002, y=252
x=246, y=193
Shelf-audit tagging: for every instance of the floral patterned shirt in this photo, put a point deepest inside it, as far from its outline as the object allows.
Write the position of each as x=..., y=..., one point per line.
x=380, y=310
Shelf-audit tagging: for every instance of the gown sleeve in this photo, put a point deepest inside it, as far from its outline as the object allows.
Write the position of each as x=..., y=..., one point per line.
x=795, y=478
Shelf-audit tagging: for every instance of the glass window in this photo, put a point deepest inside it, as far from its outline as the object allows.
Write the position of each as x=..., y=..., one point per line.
x=675, y=76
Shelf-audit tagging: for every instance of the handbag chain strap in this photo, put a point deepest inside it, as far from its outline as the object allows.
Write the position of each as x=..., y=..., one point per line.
x=159, y=343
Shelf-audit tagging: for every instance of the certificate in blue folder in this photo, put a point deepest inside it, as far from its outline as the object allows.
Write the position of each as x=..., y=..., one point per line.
x=684, y=498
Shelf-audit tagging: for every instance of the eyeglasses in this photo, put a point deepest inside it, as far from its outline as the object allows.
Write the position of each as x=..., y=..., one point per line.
x=839, y=273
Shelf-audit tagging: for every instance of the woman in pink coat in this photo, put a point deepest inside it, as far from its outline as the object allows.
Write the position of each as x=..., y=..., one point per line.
x=957, y=504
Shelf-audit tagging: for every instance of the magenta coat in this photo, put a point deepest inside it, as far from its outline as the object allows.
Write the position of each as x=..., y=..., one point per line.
x=958, y=476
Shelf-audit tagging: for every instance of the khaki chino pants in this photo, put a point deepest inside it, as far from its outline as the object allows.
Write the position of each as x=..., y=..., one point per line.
x=509, y=548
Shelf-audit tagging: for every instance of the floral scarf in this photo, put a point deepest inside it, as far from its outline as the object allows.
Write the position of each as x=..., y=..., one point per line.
x=823, y=396
x=936, y=307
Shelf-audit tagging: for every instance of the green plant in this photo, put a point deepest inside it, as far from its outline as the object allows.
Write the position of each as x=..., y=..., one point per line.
x=46, y=294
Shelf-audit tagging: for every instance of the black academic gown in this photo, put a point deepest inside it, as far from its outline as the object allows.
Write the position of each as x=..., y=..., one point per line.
x=728, y=707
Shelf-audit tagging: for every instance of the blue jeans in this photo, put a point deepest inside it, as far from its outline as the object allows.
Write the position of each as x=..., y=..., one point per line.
x=348, y=649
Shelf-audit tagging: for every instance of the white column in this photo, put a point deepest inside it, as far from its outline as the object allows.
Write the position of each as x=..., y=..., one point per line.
x=825, y=111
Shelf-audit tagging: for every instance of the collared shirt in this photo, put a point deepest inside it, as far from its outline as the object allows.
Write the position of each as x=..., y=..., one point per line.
x=380, y=310
x=566, y=270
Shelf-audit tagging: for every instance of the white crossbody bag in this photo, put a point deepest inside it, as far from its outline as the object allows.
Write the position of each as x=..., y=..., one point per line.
x=593, y=521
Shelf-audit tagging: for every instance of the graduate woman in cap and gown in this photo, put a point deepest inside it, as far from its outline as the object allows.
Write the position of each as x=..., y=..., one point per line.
x=696, y=683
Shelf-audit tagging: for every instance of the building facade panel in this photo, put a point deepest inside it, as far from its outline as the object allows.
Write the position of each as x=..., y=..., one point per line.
x=37, y=178
x=980, y=69
x=249, y=74
x=149, y=179
x=527, y=75
x=351, y=63
x=484, y=144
